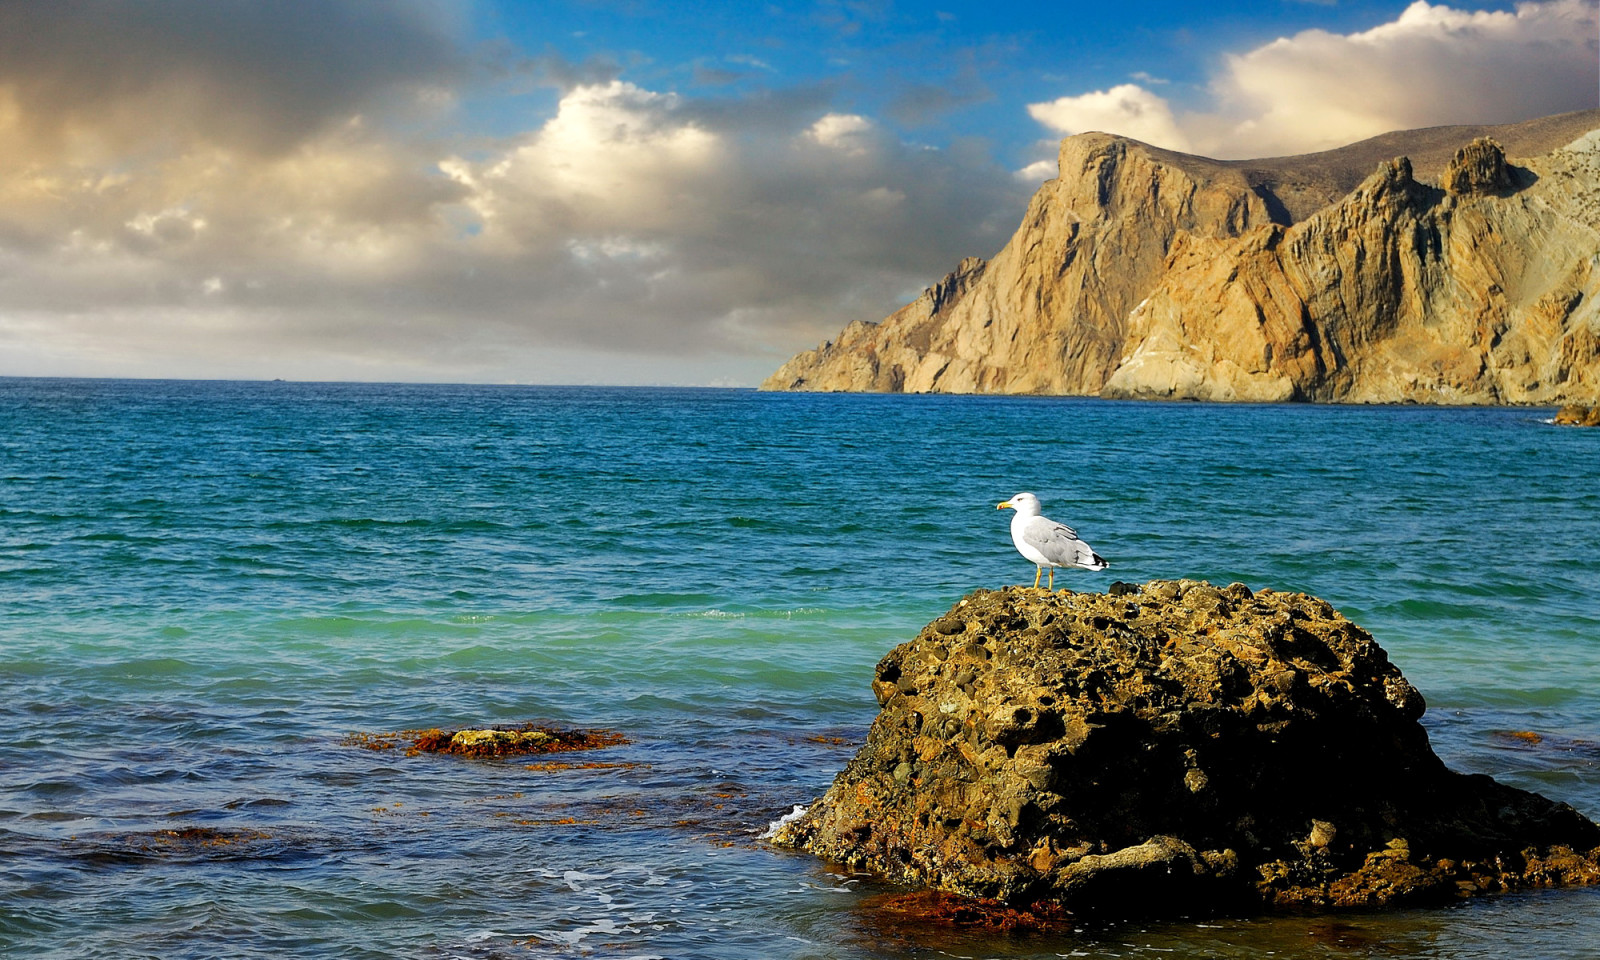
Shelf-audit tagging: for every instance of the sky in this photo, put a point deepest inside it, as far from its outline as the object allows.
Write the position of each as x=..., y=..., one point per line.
x=631, y=191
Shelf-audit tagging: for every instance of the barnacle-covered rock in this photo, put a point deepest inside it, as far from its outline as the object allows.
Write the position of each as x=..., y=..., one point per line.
x=1170, y=748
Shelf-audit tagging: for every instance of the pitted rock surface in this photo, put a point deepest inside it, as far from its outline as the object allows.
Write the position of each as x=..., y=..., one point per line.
x=1171, y=748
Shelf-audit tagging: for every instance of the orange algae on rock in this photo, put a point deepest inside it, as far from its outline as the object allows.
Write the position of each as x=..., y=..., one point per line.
x=205, y=843
x=489, y=743
x=921, y=908
x=207, y=836
x=551, y=766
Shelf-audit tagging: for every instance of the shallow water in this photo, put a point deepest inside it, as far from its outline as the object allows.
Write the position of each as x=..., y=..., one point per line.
x=209, y=585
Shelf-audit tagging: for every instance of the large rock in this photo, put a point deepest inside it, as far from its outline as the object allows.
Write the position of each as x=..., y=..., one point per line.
x=1172, y=748
x=1578, y=415
x=1419, y=266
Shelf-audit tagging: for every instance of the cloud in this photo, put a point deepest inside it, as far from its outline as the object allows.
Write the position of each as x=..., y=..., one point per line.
x=847, y=132
x=94, y=78
x=746, y=60
x=705, y=76
x=923, y=103
x=1037, y=172
x=554, y=69
x=1432, y=65
x=228, y=188
x=651, y=220
x=630, y=222
x=613, y=158
x=1127, y=109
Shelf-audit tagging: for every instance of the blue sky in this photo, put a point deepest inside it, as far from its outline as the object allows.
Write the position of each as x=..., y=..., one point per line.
x=631, y=191
x=932, y=72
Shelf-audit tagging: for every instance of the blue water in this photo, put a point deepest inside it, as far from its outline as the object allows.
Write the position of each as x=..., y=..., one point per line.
x=205, y=587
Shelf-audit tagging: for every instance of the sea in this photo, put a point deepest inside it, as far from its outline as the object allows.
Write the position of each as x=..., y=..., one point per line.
x=209, y=590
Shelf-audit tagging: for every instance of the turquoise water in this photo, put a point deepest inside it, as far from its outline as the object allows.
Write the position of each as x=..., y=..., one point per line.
x=207, y=586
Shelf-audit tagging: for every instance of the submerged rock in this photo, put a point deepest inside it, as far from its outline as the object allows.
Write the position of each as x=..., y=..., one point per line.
x=489, y=743
x=1171, y=748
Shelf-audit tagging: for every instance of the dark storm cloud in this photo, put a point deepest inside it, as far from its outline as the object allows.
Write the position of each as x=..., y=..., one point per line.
x=250, y=75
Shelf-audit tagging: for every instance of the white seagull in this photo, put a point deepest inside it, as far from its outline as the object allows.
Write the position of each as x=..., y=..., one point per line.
x=1045, y=542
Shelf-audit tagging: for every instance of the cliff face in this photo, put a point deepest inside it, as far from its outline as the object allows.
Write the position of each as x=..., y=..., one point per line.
x=1462, y=278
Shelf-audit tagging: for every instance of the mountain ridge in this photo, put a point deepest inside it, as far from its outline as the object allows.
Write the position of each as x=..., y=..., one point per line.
x=1141, y=272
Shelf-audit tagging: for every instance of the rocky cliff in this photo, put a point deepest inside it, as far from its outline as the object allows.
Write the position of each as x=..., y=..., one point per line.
x=1167, y=749
x=1422, y=266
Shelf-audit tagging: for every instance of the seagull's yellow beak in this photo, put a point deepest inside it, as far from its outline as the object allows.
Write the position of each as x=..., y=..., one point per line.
x=1002, y=505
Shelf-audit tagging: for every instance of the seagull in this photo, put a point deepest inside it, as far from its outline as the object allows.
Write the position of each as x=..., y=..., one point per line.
x=1045, y=542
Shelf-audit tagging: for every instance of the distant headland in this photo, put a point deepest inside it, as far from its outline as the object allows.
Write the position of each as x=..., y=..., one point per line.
x=1445, y=265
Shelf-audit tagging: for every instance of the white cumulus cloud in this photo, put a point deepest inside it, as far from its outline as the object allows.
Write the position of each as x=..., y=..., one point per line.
x=1433, y=65
x=1128, y=109
x=849, y=132
x=614, y=158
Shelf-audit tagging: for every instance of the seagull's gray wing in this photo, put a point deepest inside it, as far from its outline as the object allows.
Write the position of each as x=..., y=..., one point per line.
x=1059, y=543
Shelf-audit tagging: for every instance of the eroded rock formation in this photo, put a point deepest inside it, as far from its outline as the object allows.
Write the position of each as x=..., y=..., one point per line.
x=1419, y=266
x=1172, y=748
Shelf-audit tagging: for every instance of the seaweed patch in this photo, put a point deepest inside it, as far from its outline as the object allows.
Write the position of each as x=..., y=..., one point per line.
x=203, y=837
x=910, y=913
x=488, y=743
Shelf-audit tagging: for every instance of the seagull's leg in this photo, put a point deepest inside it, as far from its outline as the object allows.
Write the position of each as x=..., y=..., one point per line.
x=1052, y=579
x=1038, y=572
